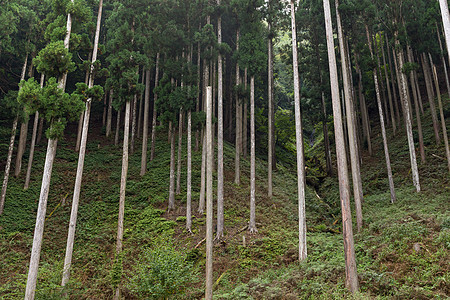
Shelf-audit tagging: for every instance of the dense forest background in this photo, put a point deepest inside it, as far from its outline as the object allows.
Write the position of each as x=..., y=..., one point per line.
x=229, y=149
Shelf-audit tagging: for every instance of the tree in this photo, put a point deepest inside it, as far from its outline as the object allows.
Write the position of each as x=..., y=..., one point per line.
x=446, y=21
x=209, y=196
x=351, y=277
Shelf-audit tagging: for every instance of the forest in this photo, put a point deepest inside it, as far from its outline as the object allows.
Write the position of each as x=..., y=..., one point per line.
x=224, y=149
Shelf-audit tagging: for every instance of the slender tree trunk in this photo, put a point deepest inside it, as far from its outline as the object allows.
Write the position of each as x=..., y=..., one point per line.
x=109, y=115
x=123, y=185
x=201, y=203
x=81, y=157
x=81, y=120
x=105, y=105
x=426, y=70
x=155, y=98
x=299, y=145
x=133, y=124
x=407, y=114
x=446, y=21
x=41, y=126
x=363, y=108
x=172, y=170
x=33, y=143
x=197, y=104
x=417, y=87
x=270, y=121
x=8, y=165
x=441, y=112
x=209, y=196
x=399, y=84
x=141, y=106
x=220, y=212
x=444, y=63
x=180, y=141
x=416, y=106
x=116, y=138
x=23, y=131
x=391, y=103
x=237, y=171
x=245, y=121
x=40, y=220
x=350, y=261
x=145, y=127
x=252, y=223
x=189, y=174
x=354, y=159
x=394, y=90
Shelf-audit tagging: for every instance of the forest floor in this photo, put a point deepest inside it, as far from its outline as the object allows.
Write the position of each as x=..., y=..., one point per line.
x=402, y=252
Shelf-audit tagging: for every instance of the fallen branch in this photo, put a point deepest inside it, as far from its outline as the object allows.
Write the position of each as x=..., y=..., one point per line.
x=199, y=243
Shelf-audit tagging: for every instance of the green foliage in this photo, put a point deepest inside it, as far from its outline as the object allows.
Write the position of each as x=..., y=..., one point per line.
x=162, y=273
x=29, y=95
x=54, y=60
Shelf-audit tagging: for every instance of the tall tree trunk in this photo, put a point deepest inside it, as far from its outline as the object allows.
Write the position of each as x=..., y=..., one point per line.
x=344, y=188
x=446, y=21
x=252, y=223
x=237, y=172
x=416, y=106
x=197, y=103
x=23, y=132
x=444, y=63
x=363, y=108
x=141, y=106
x=388, y=85
x=81, y=120
x=172, y=170
x=407, y=114
x=123, y=185
x=105, y=106
x=189, y=174
x=41, y=126
x=399, y=82
x=116, y=137
x=394, y=90
x=426, y=71
x=441, y=112
x=180, y=141
x=8, y=165
x=109, y=115
x=155, y=98
x=245, y=121
x=209, y=196
x=201, y=202
x=81, y=157
x=220, y=212
x=145, y=126
x=270, y=121
x=33, y=143
x=299, y=145
x=354, y=159
x=133, y=124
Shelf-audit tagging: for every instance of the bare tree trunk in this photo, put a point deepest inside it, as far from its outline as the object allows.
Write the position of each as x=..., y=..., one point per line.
x=109, y=117
x=197, y=105
x=446, y=21
x=172, y=170
x=299, y=145
x=252, y=224
x=407, y=114
x=426, y=71
x=350, y=261
x=116, y=138
x=21, y=147
x=40, y=220
x=399, y=84
x=155, y=98
x=33, y=143
x=391, y=103
x=145, y=126
x=416, y=106
x=123, y=184
x=245, y=121
x=354, y=159
x=189, y=174
x=105, y=104
x=237, y=172
x=180, y=141
x=81, y=120
x=209, y=197
x=444, y=63
x=201, y=203
x=441, y=112
x=270, y=121
x=394, y=90
x=141, y=106
x=133, y=124
x=41, y=126
x=220, y=212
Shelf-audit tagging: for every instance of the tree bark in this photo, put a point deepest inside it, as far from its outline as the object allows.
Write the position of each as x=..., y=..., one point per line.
x=141, y=107
x=354, y=159
x=201, y=203
x=441, y=112
x=446, y=21
x=299, y=144
x=8, y=165
x=133, y=124
x=444, y=63
x=407, y=114
x=394, y=90
x=172, y=170
x=252, y=223
x=388, y=85
x=426, y=71
x=33, y=143
x=189, y=174
x=180, y=141
x=145, y=126
x=155, y=98
x=109, y=115
x=41, y=126
x=209, y=196
x=245, y=120
x=237, y=171
x=270, y=120
x=123, y=185
x=350, y=261
x=416, y=106
x=23, y=131
x=220, y=212
x=116, y=138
